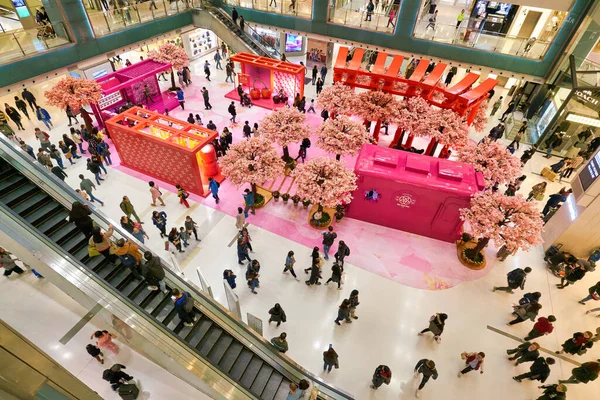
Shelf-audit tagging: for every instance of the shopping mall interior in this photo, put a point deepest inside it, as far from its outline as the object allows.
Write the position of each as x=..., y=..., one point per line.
x=170, y=179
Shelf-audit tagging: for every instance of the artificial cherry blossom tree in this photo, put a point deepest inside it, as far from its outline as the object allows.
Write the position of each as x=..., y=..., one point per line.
x=452, y=130
x=170, y=54
x=337, y=99
x=481, y=117
x=416, y=118
x=324, y=182
x=251, y=161
x=376, y=105
x=492, y=159
x=506, y=220
x=76, y=93
x=285, y=126
x=341, y=135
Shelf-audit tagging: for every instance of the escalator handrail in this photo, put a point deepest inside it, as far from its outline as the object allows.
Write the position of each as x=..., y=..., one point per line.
x=220, y=315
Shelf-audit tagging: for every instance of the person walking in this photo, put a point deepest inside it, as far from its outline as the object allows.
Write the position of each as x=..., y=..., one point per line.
x=370, y=8
x=391, y=19
x=432, y=21
x=336, y=275
x=135, y=229
x=55, y=155
x=280, y=342
x=277, y=315
x=27, y=149
x=155, y=193
x=428, y=370
x=525, y=312
x=70, y=115
x=315, y=272
x=8, y=263
x=229, y=72
x=594, y=294
x=116, y=377
x=191, y=227
x=323, y=74
x=509, y=109
x=183, y=195
x=30, y=98
x=525, y=352
x=574, y=163
x=587, y=372
x=44, y=139
x=247, y=130
x=71, y=144
x=578, y=344
x=234, y=15
x=516, y=279
x=553, y=392
x=14, y=115
x=342, y=252
x=42, y=115
x=217, y=59
x=21, y=106
x=95, y=352
x=289, y=264
x=76, y=137
x=538, y=371
x=207, y=70
x=94, y=167
x=343, y=312
x=59, y=173
x=104, y=341
x=214, y=186
x=181, y=98
x=242, y=250
x=44, y=159
x=80, y=216
x=537, y=191
x=129, y=210
x=249, y=201
x=175, y=238
x=320, y=89
x=474, y=362
x=229, y=276
x=205, y=97
x=496, y=106
x=315, y=73
x=460, y=18
x=542, y=327
x=88, y=186
x=184, y=305
x=382, y=374
x=159, y=219
x=240, y=219
x=232, y=111
x=572, y=275
x=437, y=323
x=330, y=359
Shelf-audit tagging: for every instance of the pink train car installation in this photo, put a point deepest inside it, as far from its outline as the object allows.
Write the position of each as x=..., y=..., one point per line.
x=412, y=192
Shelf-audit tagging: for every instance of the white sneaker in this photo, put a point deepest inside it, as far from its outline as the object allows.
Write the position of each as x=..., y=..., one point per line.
x=418, y=393
x=437, y=339
x=459, y=374
x=152, y=288
x=186, y=324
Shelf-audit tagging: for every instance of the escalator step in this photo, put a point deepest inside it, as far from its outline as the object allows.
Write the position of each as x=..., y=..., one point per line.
x=64, y=233
x=241, y=364
x=260, y=382
x=231, y=355
x=97, y=263
x=32, y=203
x=251, y=372
x=107, y=270
x=163, y=310
x=272, y=386
x=196, y=335
x=130, y=285
x=16, y=196
x=169, y=320
x=42, y=212
x=75, y=243
x=155, y=300
x=180, y=329
x=82, y=254
x=53, y=223
x=118, y=275
x=283, y=391
x=208, y=341
x=11, y=181
x=220, y=348
x=141, y=288
x=142, y=297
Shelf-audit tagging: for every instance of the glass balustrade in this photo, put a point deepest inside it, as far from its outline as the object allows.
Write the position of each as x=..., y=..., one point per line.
x=19, y=43
x=296, y=8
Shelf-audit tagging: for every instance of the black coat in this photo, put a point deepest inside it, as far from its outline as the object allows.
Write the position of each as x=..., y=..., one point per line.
x=277, y=315
x=540, y=370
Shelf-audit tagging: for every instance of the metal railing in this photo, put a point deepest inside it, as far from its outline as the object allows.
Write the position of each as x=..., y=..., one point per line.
x=378, y=21
x=480, y=39
x=72, y=269
x=296, y=8
x=20, y=43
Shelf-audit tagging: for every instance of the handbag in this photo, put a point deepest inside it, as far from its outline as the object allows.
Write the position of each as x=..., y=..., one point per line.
x=463, y=355
x=595, y=296
x=68, y=155
x=166, y=245
x=93, y=251
x=539, y=196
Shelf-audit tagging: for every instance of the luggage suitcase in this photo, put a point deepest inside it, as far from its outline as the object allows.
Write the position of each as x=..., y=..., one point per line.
x=129, y=391
x=552, y=251
x=548, y=174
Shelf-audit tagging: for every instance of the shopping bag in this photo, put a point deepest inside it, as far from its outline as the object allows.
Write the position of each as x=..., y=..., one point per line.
x=166, y=245
x=93, y=251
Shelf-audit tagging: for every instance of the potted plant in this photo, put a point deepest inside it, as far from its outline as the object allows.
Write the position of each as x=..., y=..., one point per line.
x=285, y=197
x=295, y=200
x=339, y=215
x=276, y=195
x=305, y=203
x=465, y=238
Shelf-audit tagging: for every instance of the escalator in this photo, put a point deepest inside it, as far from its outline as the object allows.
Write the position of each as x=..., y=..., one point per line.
x=241, y=363
x=218, y=21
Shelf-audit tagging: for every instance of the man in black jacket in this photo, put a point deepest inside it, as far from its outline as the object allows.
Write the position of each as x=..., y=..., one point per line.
x=538, y=371
x=232, y=111
x=553, y=392
x=342, y=252
x=525, y=352
x=516, y=279
x=427, y=368
x=27, y=95
x=234, y=15
x=154, y=273
x=207, y=105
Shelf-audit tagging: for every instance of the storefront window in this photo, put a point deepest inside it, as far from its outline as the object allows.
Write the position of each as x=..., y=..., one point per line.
x=373, y=15
x=199, y=42
x=298, y=8
x=505, y=28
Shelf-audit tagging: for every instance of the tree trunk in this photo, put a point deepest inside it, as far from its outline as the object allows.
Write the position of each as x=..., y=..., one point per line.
x=398, y=137
x=444, y=151
x=431, y=147
x=377, y=129
x=286, y=154
x=481, y=244
x=173, y=79
x=338, y=157
x=253, y=186
x=319, y=208
x=86, y=118
x=409, y=141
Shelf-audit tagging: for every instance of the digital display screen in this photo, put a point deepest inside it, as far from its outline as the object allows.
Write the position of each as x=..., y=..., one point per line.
x=590, y=172
x=293, y=43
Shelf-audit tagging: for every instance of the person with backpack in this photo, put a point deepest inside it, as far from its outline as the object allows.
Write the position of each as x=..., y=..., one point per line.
x=437, y=323
x=249, y=200
x=516, y=279
x=159, y=219
x=572, y=275
x=328, y=238
x=154, y=273
x=183, y=195
x=525, y=352
x=231, y=110
x=116, y=377
x=214, y=186
x=538, y=371
x=553, y=392
x=587, y=372
x=103, y=150
x=280, y=342
x=382, y=374
x=330, y=359
x=229, y=276
x=428, y=370
x=343, y=252
x=277, y=314
x=542, y=327
x=336, y=276
x=525, y=312
x=594, y=294
x=289, y=265
x=130, y=256
x=527, y=298
x=184, y=305
x=343, y=312
x=95, y=352
x=578, y=344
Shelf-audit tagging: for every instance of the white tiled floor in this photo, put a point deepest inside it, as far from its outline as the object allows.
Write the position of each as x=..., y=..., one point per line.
x=390, y=314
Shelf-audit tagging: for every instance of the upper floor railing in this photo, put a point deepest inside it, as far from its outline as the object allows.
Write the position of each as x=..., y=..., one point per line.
x=20, y=43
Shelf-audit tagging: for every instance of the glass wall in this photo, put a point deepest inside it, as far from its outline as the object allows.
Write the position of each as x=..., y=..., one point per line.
x=505, y=28
x=373, y=15
x=297, y=8
x=107, y=16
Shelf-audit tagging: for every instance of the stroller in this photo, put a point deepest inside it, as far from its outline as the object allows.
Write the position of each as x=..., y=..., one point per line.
x=45, y=31
x=246, y=101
